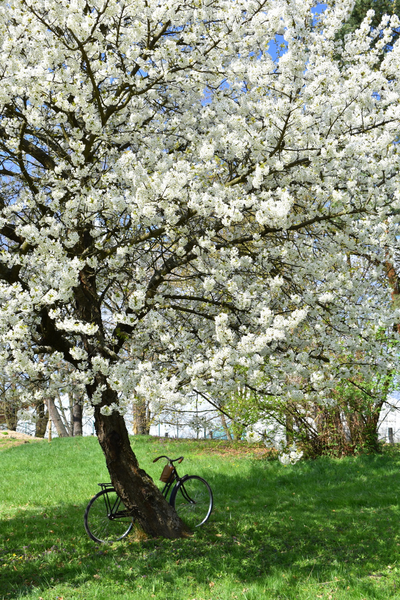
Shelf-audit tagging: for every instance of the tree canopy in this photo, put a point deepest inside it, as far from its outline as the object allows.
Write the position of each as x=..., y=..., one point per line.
x=179, y=211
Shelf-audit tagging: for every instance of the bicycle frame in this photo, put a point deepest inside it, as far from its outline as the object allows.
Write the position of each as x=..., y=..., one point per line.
x=167, y=487
x=174, y=477
x=112, y=511
x=190, y=496
x=174, y=480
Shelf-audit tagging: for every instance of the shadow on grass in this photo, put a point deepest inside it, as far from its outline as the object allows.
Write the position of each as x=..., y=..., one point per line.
x=324, y=519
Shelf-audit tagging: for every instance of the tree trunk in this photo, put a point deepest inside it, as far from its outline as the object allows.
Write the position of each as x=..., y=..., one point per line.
x=133, y=485
x=141, y=421
x=289, y=424
x=42, y=420
x=77, y=414
x=11, y=414
x=136, y=489
x=225, y=427
x=56, y=418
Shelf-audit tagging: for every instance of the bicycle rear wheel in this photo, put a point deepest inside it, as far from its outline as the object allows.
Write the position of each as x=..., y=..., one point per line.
x=193, y=500
x=106, y=518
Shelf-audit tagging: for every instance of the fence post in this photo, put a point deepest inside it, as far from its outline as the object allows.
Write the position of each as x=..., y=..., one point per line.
x=390, y=434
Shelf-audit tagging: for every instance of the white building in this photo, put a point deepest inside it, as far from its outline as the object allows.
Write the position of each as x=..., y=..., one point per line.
x=389, y=422
x=198, y=419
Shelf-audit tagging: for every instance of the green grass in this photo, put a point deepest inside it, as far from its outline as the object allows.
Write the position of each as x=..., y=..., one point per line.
x=319, y=529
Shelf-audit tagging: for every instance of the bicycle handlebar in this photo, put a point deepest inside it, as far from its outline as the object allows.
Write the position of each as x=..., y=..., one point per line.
x=170, y=460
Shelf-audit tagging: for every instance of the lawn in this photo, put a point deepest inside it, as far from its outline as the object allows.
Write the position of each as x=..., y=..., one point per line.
x=318, y=529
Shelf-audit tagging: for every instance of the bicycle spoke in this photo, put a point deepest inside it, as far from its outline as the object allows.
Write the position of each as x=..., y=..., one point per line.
x=106, y=518
x=193, y=501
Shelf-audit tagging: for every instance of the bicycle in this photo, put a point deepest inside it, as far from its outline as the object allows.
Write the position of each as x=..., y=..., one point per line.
x=107, y=520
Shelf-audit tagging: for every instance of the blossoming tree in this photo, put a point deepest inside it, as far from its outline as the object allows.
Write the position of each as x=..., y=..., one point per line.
x=176, y=204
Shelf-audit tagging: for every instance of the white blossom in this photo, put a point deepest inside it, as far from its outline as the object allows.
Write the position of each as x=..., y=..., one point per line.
x=198, y=211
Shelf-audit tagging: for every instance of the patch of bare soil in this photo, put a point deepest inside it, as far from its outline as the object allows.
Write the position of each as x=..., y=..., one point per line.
x=235, y=450
x=9, y=439
x=215, y=447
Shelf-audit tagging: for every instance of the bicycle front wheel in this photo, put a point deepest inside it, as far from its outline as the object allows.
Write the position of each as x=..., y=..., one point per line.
x=106, y=518
x=193, y=500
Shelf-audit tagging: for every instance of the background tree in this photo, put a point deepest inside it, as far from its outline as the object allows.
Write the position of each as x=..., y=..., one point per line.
x=141, y=416
x=346, y=419
x=175, y=205
x=10, y=403
x=41, y=419
x=359, y=12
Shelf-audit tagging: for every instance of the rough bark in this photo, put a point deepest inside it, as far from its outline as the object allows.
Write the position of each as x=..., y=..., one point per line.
x=41, y=420
x=134, y=485
x=77, y=414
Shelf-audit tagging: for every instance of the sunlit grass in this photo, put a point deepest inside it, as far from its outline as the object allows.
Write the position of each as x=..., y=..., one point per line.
x=318, y=529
